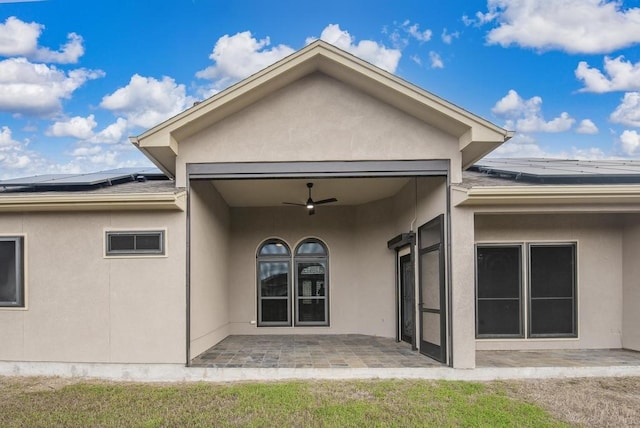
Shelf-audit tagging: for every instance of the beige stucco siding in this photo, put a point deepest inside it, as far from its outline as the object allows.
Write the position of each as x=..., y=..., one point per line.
x=631, y=287
x=83, y=307
x=210, y=256
x=333, y=225
x=599, y=239
x=318, y=119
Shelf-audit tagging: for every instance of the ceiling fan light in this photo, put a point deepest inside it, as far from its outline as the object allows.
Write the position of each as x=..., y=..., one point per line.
x=309, y=206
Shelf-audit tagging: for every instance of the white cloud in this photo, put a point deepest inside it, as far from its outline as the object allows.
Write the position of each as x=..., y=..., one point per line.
x=526, y=115
x=416, y=59
x=17, y=160
x=575, y=26
x=436, y=60
x=628, y=112
x=76, y=127
x=86, y=151
x=414, y=31
x=447, y=37
x=38, y=89
x=520, y=146
x=630, y=143
x=146, y=101
x=14, y=155
x=239, y=56
x=376, y=54
x=112, y=134
x=620, y=75
x=587, y=126
x=525, y=146
x=19, y=38
x=480, y=18
x=68, y=53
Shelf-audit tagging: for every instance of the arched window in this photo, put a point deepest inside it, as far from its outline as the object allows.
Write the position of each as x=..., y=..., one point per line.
x=274, y=270
x=312, y=283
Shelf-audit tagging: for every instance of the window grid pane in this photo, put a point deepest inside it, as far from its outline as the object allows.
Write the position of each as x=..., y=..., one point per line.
x=498, y=291
x=552, y=305
x=135, y=243
x=274, y=284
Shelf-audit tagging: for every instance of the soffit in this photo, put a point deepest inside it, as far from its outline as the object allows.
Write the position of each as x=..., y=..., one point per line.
x=273, y=192
x=161, y=143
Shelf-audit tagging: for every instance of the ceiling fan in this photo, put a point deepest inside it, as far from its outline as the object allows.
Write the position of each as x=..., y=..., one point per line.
x=310, y=205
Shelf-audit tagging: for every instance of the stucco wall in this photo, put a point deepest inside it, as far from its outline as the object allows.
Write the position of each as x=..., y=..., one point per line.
x=333, y=225
x=600, y=275
x=631, y=281
x=314, y=119
x=210, y=255
x=83, y=307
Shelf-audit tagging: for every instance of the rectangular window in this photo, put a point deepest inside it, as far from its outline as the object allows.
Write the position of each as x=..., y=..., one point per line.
x=499, y=285
x=549, y=292
x=11, y=272
x=552, y=290
x=311, y=296
x=273, y=293
x=135, y=243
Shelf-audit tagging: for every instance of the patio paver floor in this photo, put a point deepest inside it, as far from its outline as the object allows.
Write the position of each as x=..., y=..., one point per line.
x=362, y=351
x=311, y=351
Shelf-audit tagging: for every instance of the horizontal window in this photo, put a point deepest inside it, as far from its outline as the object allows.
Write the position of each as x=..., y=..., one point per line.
x=135, y=243
x=11, y=272
x=549, y=292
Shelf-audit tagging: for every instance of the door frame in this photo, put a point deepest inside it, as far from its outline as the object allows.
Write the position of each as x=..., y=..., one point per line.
x=399, y=243
x=437, y=352
x=410, y=284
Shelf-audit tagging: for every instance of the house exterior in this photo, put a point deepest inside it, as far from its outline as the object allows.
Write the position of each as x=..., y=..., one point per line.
x=416, y=246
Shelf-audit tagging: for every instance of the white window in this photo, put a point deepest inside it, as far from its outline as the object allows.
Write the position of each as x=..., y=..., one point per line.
x=11, y=271
x=135, y=243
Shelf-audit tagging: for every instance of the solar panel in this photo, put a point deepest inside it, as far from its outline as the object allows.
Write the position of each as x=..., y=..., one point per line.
x=562, y=169
x=83, y=180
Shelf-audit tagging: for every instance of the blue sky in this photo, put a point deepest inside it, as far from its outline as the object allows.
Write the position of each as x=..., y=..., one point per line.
x=77, y=78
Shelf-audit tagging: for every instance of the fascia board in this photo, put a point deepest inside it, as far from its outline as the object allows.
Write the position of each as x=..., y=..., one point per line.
x=522, y=195
x=66, y=202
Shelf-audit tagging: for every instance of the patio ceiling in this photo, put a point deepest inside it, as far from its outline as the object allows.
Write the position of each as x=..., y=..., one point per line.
x=272, y=192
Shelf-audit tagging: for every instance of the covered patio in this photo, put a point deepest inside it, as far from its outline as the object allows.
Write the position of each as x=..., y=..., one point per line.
x=363, y=351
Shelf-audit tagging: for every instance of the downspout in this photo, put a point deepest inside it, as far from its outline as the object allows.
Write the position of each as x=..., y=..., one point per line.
x=415, y=205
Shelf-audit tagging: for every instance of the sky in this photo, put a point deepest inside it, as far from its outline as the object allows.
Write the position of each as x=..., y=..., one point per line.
x=77, y=78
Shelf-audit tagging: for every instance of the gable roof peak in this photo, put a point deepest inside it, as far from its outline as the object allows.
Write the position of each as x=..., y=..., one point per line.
x=160, y=143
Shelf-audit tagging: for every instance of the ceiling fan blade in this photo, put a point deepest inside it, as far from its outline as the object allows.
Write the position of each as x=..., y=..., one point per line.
x=294, y=203
x=326, y=201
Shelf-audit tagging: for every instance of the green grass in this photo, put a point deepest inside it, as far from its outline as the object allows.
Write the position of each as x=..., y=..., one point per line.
x=303, y=404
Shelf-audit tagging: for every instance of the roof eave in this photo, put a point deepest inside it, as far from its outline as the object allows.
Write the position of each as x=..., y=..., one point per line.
x=89, y=202
x=547, y=195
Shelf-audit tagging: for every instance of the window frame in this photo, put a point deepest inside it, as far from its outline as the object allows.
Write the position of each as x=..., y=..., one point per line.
x=20, y=283
x=522, y=297
x=525, y=290
x=311, y=258
x=574, y=290
x=161, y=252
x=275, y=258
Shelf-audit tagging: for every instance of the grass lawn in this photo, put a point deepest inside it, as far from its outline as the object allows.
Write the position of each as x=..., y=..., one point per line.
x=37, y=402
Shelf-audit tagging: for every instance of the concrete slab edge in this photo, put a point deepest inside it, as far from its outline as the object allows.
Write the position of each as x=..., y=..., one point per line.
x=180, y=373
